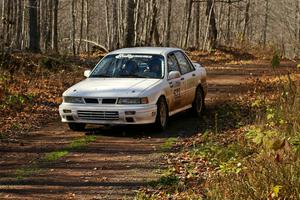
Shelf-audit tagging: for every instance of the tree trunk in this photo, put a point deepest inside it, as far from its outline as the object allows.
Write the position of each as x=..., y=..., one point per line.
x=297, y=32
x=153, y=23
x=2, y=36
x=114, y=36
x=187, y=28
x=129, y=32
x=146, y=22
x=246, y=23
x=87, y=24
x=3, y=20
x=81, y=26
x=266, y=23
x=212, y=29
x=136, y=21
x=54, y=27
x=7, y=21
x=19, y=25
x=121, y=21
x=34, y=45
x=24, y=28
x=14, y=19
x=168, y=25
x=38, y=18
x=183, y=24
x=197, y=24
x=73, y=29
x=48, y=39
x=228, y=23
x=108, y=33
x=43, y=25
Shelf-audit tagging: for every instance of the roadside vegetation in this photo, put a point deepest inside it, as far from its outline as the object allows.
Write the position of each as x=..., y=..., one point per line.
x=250, y=151
x=31, y=86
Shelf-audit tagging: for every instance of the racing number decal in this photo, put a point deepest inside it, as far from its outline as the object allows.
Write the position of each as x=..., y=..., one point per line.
x=176, y=93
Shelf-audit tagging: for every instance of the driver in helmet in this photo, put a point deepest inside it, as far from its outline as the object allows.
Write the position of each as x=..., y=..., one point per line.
x=155, y=67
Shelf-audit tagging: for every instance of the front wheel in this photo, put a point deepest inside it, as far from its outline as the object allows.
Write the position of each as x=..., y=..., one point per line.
x=162, y=114
x=198, y=104
x=76, y=126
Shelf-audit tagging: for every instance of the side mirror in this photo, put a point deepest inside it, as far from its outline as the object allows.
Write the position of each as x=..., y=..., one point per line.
x=174, y=75
x=197, y=65
x=87, y=73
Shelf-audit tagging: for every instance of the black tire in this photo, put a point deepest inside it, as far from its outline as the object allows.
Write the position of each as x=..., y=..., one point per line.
x=199, y=103
x=162, y=114
x=76, y=126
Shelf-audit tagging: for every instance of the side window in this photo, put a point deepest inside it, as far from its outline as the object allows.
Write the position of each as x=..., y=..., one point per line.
x=183, y=63
x=172, y=63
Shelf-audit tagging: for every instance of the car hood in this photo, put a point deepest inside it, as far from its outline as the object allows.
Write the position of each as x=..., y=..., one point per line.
x=111, y=87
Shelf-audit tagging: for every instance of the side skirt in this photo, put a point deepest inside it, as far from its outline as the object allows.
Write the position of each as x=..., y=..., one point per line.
x=179, y=110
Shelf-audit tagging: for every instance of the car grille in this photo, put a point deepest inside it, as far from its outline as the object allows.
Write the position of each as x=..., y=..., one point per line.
x=98, y=115
x=101, y=101
x=109, y=101
x=91, y=100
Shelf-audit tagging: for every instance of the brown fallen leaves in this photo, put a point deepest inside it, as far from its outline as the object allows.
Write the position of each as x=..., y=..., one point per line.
x=30, y=94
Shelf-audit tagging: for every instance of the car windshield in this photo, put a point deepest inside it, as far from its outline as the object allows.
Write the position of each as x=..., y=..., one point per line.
x=130, y=66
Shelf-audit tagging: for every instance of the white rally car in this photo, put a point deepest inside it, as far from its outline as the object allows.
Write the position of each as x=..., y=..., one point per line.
x=142, y=85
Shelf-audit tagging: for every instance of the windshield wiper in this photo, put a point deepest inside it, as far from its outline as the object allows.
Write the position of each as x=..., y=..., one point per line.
x=132, y=76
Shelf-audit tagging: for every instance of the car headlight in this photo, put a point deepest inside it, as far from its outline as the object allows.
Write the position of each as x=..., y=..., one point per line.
x=73, y=99
x=143, y=100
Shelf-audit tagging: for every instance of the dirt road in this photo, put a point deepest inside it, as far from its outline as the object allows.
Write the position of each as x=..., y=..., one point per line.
x=117, y=162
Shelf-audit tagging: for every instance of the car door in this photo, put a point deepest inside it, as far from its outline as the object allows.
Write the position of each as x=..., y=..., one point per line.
x=175, y=86
x=188, y=78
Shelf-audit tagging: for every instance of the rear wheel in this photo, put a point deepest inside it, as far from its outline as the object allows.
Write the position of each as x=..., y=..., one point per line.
x=76, y=126
x=199, y=105
x=162, y=114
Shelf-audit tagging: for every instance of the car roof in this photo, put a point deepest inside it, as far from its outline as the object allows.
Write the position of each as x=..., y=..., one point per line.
x=145, y=50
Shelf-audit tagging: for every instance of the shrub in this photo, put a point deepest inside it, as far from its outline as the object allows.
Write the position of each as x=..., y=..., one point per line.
x=50, y=63
x=272, y=173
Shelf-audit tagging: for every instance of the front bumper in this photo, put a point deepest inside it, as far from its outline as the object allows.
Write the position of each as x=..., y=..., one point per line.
x=108, y=114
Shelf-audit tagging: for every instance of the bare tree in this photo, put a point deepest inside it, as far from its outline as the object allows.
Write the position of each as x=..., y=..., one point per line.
x=54, y=27
x=34, y=44
x=189, y=14
x=108, y=29
x=2, y=41
x=8, y=23
x=168, y=23
x=115, y=24
x=228, y=31
x=73, y=29
x=137, y=20
x=265, y=29
x=212, y=32
x=24, y=28
x=81, y=25
x=247, y=18
x=129, y=33
x=87, y=24
x=49, y=19
x=197, y=24
x=118, y=23
x=19, y=25
x=153, y=24
x=297, y=32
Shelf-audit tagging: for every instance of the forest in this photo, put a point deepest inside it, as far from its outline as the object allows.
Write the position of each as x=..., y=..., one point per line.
x=245, y=145
x=78, y=26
